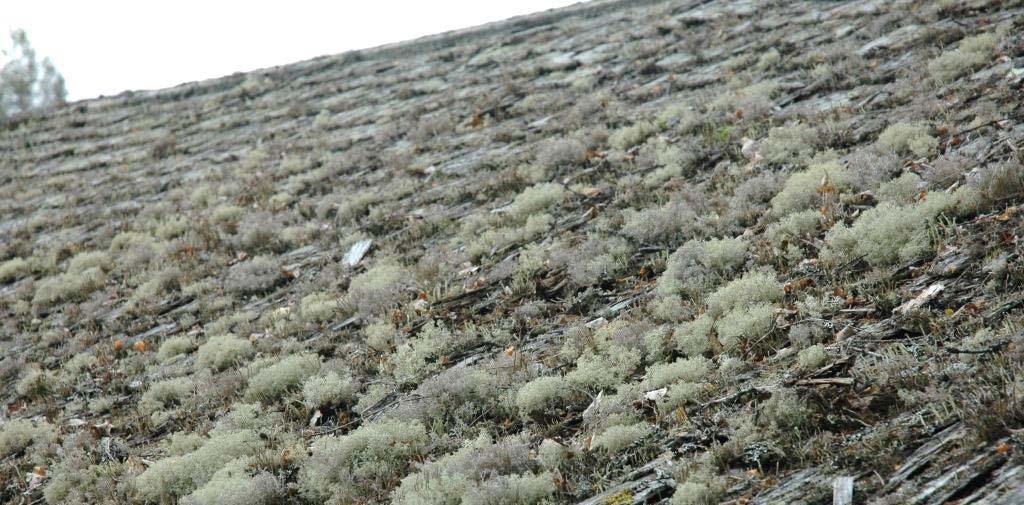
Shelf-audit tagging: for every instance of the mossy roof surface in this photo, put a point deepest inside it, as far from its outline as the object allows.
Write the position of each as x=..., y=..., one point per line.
x=437, y=223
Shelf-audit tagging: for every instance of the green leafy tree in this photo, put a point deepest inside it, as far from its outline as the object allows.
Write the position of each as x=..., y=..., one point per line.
x=25, y=82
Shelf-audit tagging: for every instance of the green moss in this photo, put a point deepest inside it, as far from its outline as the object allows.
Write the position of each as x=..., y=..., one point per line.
x=274, y=381
x=223, y=351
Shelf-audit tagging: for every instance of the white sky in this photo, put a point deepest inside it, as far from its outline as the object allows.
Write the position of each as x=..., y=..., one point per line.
x=104, y=47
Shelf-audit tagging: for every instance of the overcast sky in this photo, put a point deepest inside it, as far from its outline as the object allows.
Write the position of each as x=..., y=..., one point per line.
x=104, y=47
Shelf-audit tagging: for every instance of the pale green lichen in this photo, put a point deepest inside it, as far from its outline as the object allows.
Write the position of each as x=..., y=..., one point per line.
x=536, y=199
x=18, y=434
x=914, y=138
x=973, y=52
x=692, y=338
x=288, y=374
x=13, y=269
x=328, y=389
x=753, y=288
x=812, y=358
x=353, y=466
x=743, y=323
x=541, y=394
x=177, y=476
x=692, y=369
x=175, y=346
x=223, y=351
x=616, y=438
x=806, y=190
x=871, y=235
x=699, y=265
x=629, y=136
